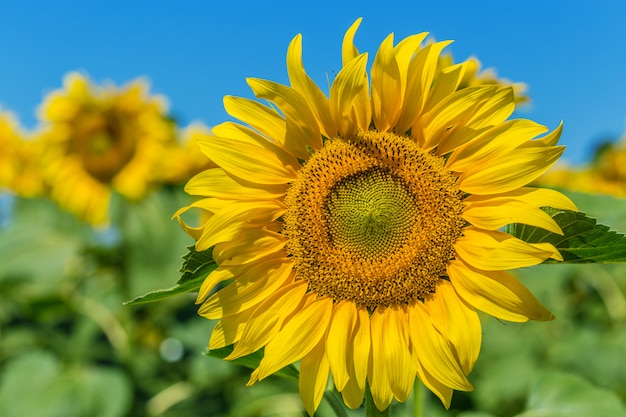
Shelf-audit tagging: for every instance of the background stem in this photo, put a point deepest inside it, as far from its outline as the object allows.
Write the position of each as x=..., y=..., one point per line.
x=370, y=407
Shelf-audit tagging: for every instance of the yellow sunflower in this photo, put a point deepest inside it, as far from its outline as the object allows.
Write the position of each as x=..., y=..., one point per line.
x=101, y=140
x=19, y=159
x=359, y=233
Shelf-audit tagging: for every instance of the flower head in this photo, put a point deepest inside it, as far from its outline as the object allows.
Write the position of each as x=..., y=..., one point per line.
x=360, y=232
x=101, y=140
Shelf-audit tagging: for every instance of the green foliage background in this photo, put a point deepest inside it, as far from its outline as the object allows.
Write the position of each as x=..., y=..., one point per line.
x=70, y=347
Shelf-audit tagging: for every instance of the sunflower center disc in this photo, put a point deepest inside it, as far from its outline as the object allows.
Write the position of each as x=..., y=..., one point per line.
x=373, y=220
x=370, y=213
x=105, y=145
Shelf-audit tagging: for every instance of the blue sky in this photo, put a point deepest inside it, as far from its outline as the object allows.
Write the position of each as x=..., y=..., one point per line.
x=572, y=54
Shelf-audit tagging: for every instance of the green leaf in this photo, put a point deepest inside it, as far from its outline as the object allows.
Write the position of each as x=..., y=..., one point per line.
x=196, y=266
x=252, y=361
x=583, y=240
x=555, y=394
x=192, y=285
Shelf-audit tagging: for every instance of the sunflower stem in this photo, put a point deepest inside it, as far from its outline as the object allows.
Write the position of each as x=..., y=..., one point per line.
x=332, y=398
x=418, y=399
x=370, y=407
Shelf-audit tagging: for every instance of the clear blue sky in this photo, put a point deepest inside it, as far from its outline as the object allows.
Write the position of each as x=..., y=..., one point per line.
x=572, y=54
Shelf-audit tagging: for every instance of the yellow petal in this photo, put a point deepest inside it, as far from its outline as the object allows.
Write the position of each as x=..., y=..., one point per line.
x=505, y=136
x=352, y=393
x=211, y=205
x=496, y=293
x=456, y=322
x=377, y=373
x=339, y=332
x=250, y=162
x=508, y=170
x=450, y=112
x=262, y=118
x=302, y=130
x=493, y=250
x=249, y=246
x=489, y=216
x=226, y=224
x=303, y=84
x=263, y=279
x=535, y=197
x=552, y=138
x=297, y=338
x=437, y=387
x=215, y=182
x=495, y=110
x=265, y=320
x=215, y=277
x=400, y=366
x=435, y=352
x=548, y=140
x=194, y=232
x=404, y=51
x=228, y=330
x=313, y=377
x=386, y=87
x=348, y=50
x=361, y=346
x=445, y=83
x=420, y=76
x=349, y=102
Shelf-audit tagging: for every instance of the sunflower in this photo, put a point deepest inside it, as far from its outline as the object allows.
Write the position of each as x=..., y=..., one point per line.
x=360, y=233
x=19, y=159
x=101, y=140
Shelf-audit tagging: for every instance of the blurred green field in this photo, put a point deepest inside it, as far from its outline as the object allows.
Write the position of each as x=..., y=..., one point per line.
x=69, y=347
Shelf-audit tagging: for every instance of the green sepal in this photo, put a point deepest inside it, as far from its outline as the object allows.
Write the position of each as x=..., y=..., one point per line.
x=195, y=268
x=583, y=240
x=252, y=361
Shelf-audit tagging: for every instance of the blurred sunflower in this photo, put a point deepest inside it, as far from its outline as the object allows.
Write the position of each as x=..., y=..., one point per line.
x=604, y=174
x=19, y=159
x=101, y=140
x=359, y=233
